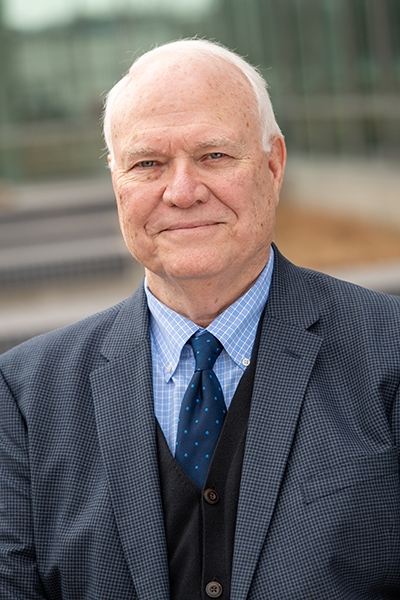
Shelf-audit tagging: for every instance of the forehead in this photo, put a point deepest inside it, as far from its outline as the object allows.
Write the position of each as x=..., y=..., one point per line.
x=178, y=92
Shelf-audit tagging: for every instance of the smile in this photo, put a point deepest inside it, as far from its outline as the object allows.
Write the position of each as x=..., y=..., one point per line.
x=190, y=226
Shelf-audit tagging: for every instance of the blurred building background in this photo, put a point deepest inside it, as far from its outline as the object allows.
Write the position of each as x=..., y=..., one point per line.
x=333, y=67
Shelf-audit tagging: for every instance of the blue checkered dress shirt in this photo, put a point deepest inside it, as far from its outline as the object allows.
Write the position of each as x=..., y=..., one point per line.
x=172, y=357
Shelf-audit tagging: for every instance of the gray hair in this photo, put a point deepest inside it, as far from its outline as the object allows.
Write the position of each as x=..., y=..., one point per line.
x=206, y=50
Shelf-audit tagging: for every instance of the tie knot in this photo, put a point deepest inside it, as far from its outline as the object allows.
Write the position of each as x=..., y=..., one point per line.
x=206, y=349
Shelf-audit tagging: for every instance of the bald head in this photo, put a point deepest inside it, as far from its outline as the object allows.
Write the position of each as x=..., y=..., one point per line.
x=158, y=67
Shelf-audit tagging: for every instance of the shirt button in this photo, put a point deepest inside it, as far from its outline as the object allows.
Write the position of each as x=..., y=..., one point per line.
x=245, y=362
x=211, y=497
x=213, y=589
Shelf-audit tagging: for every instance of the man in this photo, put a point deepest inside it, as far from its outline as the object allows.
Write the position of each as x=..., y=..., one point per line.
x=106, y=491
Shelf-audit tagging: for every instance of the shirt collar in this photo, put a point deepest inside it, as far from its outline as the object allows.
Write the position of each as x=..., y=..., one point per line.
x=235, y=328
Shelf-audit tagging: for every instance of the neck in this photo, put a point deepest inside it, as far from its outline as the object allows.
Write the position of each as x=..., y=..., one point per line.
x=200, y=301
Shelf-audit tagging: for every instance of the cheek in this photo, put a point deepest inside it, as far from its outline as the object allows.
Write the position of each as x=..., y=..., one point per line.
x=251, y=197
x=235, y=192
x=132, y=222
x=131, y=210
x=125, y=197
x=256, y=210
x=124, y=214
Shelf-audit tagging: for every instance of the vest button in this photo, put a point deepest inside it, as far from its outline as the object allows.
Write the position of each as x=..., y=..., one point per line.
x=211, y=497
x=213, y=589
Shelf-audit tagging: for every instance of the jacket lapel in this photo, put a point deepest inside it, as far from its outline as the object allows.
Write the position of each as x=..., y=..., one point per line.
x=285, y=360
x=123, y=399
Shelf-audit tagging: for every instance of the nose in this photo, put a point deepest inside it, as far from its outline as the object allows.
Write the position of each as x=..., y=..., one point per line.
x=184, y=187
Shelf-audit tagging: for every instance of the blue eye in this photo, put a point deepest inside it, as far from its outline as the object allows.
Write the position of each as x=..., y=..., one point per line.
x=147, y=163
x=216, y=155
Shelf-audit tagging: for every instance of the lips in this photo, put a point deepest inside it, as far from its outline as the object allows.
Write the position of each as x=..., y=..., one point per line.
x=189, y=225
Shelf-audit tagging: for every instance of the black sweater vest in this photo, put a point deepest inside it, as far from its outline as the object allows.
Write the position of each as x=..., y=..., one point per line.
x=200, y=524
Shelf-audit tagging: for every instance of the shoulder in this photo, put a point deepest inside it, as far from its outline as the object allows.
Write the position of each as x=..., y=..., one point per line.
x=340, y=296
x=333, y=307
x=330, y=293
x=356, y=317
x=78, y=346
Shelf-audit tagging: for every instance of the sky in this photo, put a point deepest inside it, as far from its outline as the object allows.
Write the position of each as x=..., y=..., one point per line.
x=33, y=14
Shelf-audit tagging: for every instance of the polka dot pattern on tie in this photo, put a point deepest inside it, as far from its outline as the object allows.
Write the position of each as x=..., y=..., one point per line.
x=202, y=412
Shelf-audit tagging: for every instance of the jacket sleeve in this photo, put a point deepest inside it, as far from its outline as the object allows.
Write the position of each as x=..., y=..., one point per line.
x=19, y=578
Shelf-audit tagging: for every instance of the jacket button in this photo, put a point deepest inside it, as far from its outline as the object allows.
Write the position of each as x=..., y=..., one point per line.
x=211, y=497
x=213, y=589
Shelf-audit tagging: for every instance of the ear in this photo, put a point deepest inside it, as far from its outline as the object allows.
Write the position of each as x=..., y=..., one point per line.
x=277, y=162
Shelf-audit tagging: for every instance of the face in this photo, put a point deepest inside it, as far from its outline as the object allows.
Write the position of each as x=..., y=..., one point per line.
x=196, y=192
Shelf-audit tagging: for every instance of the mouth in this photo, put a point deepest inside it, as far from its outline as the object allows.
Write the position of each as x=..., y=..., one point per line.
x=190, y=226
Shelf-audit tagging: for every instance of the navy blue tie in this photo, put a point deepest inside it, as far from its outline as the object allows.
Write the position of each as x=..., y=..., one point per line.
x=202, y=412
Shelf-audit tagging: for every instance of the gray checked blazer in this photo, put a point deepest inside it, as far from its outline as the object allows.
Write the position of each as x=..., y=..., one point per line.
x=319, y=507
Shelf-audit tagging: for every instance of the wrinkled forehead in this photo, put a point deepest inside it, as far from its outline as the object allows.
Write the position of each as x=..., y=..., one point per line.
x=156, y=84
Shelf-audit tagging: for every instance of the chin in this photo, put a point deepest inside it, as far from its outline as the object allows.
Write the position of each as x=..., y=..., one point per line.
x=191, y=270
x=188, y=264
x=190, y=273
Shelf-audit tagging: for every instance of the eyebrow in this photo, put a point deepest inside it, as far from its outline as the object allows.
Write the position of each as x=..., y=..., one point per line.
x=221, y=140
x=137, y=151
x=218, y=141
